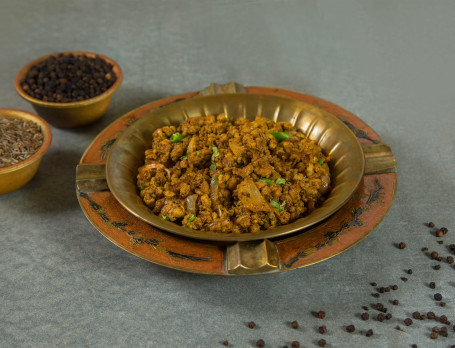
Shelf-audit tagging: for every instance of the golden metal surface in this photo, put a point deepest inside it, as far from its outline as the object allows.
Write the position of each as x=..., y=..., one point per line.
x=75, y=114
x=347, y=165
x=252, y=257
x=16, y=176
x=91, y=177
x=379, y=159
x=231, y=87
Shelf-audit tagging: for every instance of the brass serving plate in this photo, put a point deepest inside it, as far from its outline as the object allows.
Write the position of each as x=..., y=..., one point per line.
x=335, y=138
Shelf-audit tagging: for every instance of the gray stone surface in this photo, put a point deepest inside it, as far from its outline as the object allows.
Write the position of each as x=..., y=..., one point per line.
x=389, y=62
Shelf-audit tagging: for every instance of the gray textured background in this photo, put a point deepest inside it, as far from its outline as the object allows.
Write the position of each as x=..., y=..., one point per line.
x=389, y=62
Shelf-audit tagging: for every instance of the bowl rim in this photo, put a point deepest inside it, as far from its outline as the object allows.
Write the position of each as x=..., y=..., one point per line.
x=45, y=128
x=171, y=227
x=116, y=68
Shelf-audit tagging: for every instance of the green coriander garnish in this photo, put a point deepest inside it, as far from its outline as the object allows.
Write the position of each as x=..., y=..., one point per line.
x=277, y=205
x=166, y=218
x=183, y=158
x=320, y=161
x=280, y=181
x=267, y=181
x=143, y=186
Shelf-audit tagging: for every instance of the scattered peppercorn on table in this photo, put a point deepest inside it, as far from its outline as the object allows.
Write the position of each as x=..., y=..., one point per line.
x=388, y=64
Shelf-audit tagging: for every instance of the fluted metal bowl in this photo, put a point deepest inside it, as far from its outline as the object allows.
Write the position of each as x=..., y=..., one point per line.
x=346, y=167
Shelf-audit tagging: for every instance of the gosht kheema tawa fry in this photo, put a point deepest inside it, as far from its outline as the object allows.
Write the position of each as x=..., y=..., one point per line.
x=233, y=175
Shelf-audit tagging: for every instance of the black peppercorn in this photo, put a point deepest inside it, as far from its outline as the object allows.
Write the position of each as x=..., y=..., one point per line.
x=350, y=328
x=438, y=297
x=260, y=343
x=408, y=321
x=369, y=333
x=365, y=316
x=295, y=325
x=401, y=245
x=322, y=329
x=322, y=342
x=67, y=78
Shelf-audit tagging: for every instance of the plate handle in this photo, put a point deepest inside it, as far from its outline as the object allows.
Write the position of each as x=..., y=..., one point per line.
x=91, y=178
x=230, y=87
x=379, y=159
x=252, y=257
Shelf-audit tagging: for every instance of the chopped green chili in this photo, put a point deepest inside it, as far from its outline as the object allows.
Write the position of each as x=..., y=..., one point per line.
x=143, y=186
x=191, y=219
x=280, y=136
x=183, y=158
x=277, y=205
x=198, y=153
x=166, y=218
x=280, y=181
x=176, y=137
x=267, y=181
x=320, y=161
x=215, y=153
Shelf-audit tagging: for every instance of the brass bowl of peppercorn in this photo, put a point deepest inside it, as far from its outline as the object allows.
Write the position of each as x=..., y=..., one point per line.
x=69, y=89
x=24, y=139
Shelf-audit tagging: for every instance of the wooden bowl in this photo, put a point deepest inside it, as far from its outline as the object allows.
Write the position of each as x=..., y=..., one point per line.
x=16, y=176
x=73, y=114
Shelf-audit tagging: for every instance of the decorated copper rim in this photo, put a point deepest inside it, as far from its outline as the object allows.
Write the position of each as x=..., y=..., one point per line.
x=363, y=212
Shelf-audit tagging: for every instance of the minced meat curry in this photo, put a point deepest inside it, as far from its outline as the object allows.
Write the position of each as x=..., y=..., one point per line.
x=233, y=175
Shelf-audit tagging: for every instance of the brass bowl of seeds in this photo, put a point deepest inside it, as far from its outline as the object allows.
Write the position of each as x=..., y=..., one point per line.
x=69, y=89
x=24, y=139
